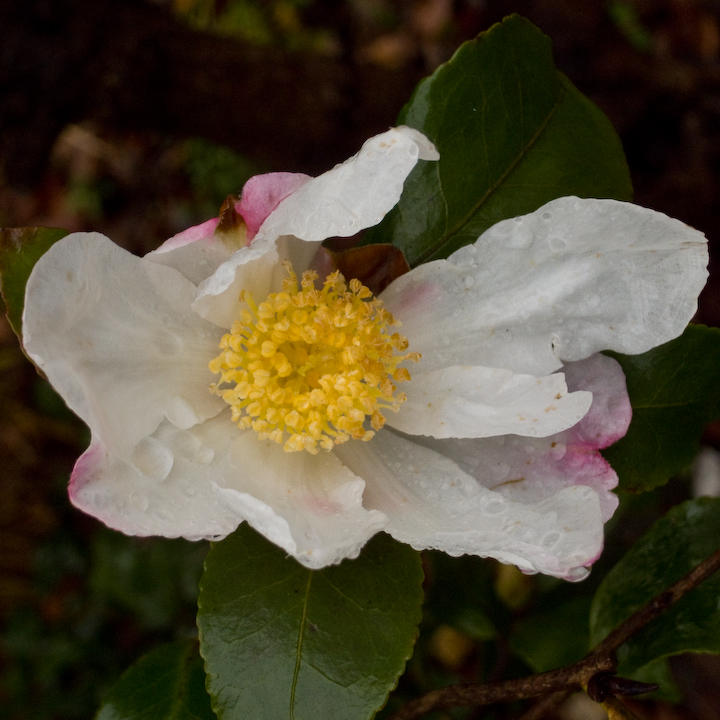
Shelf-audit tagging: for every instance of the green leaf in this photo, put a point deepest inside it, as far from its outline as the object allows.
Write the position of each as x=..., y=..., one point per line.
x=281, y=641
x=675, y=392
x=20, y=249
x=512, y=133
x=166, y=684
x=672, y=547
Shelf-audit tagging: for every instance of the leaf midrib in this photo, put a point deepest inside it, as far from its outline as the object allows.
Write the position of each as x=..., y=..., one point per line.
x=445, y=238
x=298, y=650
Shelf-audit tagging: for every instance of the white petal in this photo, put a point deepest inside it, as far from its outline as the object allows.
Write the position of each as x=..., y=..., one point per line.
x=250, y=269
x=571, y=279
x=117, y=338
x=432, y=503
x=167, y=486
x=532, y=470
x=196, y=259
x=472, y=402
x=354, y=195
x=310, y=505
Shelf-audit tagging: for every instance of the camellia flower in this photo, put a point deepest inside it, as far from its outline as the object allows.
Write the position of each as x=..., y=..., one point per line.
x=463, y=409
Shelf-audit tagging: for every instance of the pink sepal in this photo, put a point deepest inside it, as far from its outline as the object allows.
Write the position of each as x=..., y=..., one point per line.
x=263, y=193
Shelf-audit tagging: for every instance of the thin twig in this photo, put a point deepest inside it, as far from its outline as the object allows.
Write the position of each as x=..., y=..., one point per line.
x=600, y=659
x=658, y=605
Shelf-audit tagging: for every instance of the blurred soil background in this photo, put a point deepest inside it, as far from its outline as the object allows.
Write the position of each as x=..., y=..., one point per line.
x=136, y=119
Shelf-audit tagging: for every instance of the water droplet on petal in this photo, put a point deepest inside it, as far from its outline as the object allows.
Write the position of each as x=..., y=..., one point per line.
x=139, y=501
x=521, y=238
x=205, y=455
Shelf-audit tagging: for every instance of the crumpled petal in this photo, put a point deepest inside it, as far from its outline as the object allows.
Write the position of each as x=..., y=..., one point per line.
x=117, y=338
x=571, y=279
x=431, y=502
x=474, y=402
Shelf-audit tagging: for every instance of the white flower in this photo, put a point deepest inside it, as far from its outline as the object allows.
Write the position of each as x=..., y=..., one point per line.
x=493, y=453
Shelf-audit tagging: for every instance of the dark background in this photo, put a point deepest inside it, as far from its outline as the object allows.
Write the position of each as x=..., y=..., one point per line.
x=136, y=118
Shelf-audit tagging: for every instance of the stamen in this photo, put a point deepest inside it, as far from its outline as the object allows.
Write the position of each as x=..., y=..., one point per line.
x=306, y=367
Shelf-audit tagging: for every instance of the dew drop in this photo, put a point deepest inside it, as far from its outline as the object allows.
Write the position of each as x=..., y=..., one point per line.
x=546, y=216
x=521, y=238
x=139, y=501
x=557, y=244
x=190, y=491
x=205, y=455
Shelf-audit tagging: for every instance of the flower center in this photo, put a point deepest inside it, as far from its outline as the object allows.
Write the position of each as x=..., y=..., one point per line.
x=306, y=367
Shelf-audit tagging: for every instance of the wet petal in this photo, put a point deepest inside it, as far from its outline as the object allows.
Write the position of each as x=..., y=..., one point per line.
x=432, y=503
x=532, y=470
x=166, y=486
x=571, y=279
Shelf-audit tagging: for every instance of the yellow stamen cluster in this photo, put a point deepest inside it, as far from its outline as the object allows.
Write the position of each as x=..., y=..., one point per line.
x=306, y=367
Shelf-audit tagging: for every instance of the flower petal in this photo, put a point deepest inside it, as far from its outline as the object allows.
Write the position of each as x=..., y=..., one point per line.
x=354, y=195
x=196, y=259
x=532, y=470
x=165, y=488
x=473, y=402
x=117, y=339
x=571, y=279
x=310, y=505
x=432, y=503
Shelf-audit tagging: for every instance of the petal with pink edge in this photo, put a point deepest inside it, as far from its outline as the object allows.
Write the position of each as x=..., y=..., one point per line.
x=165, y=488
x=471, y=402
x=432, y=503
x=117, y=338
x=569, y=280
x=530, y=470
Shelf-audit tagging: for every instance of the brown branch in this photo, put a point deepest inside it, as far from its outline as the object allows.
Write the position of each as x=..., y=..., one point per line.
x=600, y=659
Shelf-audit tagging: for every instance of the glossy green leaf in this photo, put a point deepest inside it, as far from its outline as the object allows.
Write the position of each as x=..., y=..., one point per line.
x=20, y=249
x=675, y=392
x=513, y=133
x=281, y=641
x=672, y=547
x=166, y=684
